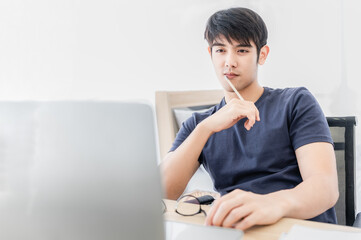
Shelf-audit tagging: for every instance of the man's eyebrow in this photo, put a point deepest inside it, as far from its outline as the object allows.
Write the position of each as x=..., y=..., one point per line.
x=218, y=44
x=239, y=45
x=244, y=45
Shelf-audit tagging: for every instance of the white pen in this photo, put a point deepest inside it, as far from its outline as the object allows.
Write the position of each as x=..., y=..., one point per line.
x=234, y=89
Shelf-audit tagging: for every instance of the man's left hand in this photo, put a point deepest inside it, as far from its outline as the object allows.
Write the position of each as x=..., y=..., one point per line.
x=242, y=210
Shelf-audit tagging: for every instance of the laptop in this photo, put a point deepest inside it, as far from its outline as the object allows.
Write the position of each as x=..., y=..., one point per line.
x=78, y=170
x=81, y=171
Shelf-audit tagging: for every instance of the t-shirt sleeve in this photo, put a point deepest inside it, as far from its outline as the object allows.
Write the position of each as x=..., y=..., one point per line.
x=308, y=124
x=187, y=127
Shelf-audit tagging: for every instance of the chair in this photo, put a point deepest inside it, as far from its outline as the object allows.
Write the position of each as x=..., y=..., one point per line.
x=167, y=102
x=169, y=105
x=342, y=132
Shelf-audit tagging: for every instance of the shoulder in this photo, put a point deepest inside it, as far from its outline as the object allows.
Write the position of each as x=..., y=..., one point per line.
x=289, y=92
x=302, y=97
x=291, y=96
x=299, y=93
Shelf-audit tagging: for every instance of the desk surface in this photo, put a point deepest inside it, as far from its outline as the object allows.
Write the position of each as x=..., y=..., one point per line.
x=270, y=232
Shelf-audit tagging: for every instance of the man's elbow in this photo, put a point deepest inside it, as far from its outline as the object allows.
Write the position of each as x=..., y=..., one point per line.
x=171, y=191
x=329, y=193
x=333, y=194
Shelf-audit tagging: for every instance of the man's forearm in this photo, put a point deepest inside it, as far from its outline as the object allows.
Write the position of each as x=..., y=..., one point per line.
x=179, y=166
x=310, y=198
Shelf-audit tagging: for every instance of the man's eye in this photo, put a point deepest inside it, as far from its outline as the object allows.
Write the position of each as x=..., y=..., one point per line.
x=242, y=51
x=219, y=50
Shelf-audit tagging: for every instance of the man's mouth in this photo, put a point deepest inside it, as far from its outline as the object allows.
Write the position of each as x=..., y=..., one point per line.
x=230, y=75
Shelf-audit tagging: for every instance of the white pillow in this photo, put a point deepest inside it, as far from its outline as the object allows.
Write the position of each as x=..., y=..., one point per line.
x=182, y=114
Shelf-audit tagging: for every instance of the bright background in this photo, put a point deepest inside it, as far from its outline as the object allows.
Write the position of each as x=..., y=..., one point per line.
x=126, y=50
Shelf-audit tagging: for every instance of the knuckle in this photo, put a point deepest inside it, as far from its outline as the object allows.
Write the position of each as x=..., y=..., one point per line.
x=264, y=214
x=234, y=101
x=235, y=214
x=247, y=223
x=261, y=214
x=239, y=214
x=248, y=196
x=251, y=111
x=223, y=206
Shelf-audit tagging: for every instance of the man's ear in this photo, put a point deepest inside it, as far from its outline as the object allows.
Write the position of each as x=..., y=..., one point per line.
x=210, y=51
x=263, y=53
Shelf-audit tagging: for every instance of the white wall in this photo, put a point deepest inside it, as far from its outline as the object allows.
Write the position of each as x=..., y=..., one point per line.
x=117, y=50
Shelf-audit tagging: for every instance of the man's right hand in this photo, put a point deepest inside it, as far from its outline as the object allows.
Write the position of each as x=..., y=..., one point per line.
x=231, y=113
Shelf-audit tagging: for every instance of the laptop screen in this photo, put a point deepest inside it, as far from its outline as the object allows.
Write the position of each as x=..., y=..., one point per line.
x=79, y=170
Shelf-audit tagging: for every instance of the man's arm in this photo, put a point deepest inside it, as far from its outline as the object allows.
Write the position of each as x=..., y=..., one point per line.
x=179, y=166
x=317, y=193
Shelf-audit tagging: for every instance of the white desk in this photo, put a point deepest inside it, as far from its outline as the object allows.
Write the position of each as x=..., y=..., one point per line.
x=270, y=232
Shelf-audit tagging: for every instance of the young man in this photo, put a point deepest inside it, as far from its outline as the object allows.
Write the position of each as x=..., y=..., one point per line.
x=271, y=155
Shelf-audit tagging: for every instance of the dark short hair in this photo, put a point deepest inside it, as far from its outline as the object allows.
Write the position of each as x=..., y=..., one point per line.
x=240, y=24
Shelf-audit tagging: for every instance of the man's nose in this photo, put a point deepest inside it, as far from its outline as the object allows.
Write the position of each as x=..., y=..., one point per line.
x=231, y=61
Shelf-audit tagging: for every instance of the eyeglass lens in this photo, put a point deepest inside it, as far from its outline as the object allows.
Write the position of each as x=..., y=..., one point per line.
x=188, y=205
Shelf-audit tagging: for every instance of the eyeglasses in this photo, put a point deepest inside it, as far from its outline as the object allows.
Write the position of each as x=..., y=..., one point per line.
x=189, y=205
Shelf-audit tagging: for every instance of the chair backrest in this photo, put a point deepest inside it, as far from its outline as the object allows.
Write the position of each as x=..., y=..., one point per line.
x=167, y=101
x=342, y=131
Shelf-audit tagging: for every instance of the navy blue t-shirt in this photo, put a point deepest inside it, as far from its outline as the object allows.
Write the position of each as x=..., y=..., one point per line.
x=263, y=160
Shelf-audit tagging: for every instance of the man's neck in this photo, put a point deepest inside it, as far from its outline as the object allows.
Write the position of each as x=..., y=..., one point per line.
x=252, y=93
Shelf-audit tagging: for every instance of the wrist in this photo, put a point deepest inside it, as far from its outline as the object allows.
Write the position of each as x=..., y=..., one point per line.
x=205, y=129
x=284, y=201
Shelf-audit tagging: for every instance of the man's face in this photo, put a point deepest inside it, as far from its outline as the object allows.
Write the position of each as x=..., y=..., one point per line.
x=236, y=61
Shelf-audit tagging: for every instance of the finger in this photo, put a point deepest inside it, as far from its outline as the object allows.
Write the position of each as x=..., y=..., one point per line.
x=252, y=118
x=246, y=125
x=258, y=117
x=247, y=222
x=236, y=215
x=211, y=212
x=215, y=206
x=224, y=208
